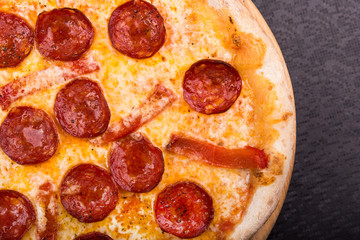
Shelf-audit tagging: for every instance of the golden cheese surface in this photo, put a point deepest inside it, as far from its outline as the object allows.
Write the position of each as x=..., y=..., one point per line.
x=194, y=31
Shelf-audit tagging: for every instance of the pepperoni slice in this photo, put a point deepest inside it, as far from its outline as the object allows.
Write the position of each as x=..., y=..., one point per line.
x=93, y=236
x=211, y=86
x=63, y=34
x=81, y=109
x=137, y=29
x=28, y=135
x=184, y=209
x=16, y=40
x=17, y=215
x=88, y=193
x=136, y=164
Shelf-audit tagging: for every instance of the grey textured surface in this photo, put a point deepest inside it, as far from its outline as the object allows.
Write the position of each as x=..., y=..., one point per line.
x=320, y=40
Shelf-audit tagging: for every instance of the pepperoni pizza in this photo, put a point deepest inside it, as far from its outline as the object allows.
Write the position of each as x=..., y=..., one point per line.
x=140, y=119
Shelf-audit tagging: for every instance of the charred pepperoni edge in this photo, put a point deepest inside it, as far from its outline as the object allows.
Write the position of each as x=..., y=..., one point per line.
x=239, y=158
x=200, y=105
x=63, y=104
x=73, y=56
x=79, y=171
x=164, y=203
x=93, y=236
x=28, y=206
x=124, y=150
x=12, y=151
x=160, y=98
x=155, y=45
x=44, y=79
x=18, y=54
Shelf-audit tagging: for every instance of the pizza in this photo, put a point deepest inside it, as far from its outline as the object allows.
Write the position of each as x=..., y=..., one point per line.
x=140, y=119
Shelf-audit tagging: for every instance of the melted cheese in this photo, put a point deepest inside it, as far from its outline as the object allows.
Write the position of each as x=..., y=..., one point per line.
x=194, y=31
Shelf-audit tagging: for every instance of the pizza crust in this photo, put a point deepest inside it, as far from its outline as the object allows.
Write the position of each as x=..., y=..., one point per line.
x=266, y=198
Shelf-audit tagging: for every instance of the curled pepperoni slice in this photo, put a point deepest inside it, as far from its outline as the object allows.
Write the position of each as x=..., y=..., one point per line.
x=17, y=215
x=88, y=193
x=63, y=34
x=211, y=86
x=28, y=135
x=93, y=236
x=81, y=109
x=184, y=209
x=16, y=40
x=136, y=164
x=137, y=29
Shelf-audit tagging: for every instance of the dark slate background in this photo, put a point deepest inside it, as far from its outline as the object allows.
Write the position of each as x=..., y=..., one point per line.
x=320, y=40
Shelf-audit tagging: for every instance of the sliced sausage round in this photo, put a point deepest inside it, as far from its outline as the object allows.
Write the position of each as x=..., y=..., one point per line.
x=93, y=236
x=88, y=193
x=17, y=215
x=137, y=29
x=184, y=209
x=28, y=135
x=81, y=109
x=16, y=39
x=63, y=34
x=211, y=86
x=136, y=164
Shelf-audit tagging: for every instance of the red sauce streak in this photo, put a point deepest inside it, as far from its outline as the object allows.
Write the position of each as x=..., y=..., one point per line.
x=153, y=105
x=240, y=158
x=46, y=195
x=44, y=79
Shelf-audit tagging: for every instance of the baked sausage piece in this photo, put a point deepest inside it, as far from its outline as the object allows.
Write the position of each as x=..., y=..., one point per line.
x=16, y=40
x=137, y=29
x=17, y=215
x=63, y=34
x=211, y=86
x=184, y=209
x=28, y=135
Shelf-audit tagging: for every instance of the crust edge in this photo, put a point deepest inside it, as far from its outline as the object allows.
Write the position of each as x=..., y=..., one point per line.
x=259, y=218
